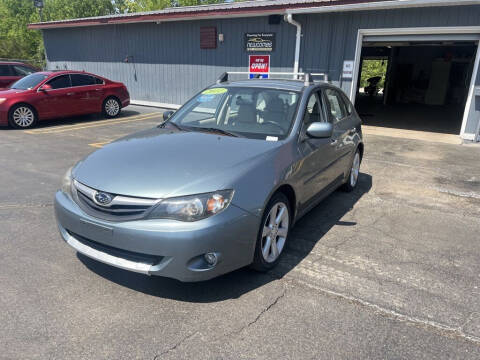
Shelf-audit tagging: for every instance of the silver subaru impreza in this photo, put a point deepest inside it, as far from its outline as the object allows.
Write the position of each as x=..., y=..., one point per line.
x=218, y=185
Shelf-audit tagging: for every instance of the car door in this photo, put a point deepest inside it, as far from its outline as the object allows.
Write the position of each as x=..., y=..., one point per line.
x=88, y=95
x=317, y=170
x=7, y=76
x=57, y=101
x=342, y=128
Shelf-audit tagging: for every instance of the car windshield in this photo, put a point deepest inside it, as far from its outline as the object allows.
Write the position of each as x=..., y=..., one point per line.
x=29, y=82
x=251, y=112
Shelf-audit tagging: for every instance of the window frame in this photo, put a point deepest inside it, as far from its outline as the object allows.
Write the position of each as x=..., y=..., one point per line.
x=88, y=75
x=53, y=78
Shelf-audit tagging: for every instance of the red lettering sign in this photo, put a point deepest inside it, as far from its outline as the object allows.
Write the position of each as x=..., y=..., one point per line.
x=259, y=63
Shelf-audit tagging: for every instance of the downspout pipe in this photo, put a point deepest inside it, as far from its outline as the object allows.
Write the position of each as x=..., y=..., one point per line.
x=288, y=18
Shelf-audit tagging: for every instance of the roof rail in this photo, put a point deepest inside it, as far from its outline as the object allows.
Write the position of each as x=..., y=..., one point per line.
x=306, y=77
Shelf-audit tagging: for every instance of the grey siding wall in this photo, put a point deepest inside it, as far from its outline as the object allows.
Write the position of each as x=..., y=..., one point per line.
x=167, y=65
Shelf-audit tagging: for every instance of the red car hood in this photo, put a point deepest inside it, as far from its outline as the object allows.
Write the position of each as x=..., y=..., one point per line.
x=5, y=92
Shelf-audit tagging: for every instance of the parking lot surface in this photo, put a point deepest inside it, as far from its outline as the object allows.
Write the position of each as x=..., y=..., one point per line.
x=388, y=271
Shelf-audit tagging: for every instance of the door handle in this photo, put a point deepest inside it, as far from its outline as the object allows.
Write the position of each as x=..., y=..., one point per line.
x=98, y=89
x=70, y=94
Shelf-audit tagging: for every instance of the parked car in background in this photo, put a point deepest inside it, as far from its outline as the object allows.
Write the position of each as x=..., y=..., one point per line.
x=218, y=185
x=54, y=94
x=11, y=71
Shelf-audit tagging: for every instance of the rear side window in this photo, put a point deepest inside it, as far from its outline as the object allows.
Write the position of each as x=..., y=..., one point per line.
x=5, y=70
x=337, y=107
x=22, y=70
x=98, y=81
x=60, y=82
x=82, y=80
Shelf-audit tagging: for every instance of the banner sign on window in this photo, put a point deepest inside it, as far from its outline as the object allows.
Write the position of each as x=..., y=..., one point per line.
x=259, y=65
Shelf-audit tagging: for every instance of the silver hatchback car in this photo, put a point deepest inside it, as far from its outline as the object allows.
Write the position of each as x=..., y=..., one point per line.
x=218, y=185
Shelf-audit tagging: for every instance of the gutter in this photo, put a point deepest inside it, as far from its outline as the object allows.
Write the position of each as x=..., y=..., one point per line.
x=380, y=5
x=298, y=38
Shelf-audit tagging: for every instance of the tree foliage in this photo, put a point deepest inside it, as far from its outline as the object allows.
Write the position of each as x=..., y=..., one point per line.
x=17, y=42
x=371, y=68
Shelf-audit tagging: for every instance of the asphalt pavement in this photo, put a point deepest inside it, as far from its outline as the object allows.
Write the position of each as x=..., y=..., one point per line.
x=388, y=271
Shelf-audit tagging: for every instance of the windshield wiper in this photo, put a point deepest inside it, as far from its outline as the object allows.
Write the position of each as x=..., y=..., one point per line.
x=162, y=125
x=218, y=130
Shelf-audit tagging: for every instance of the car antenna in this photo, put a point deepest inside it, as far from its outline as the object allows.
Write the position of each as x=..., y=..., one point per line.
x=223, y=78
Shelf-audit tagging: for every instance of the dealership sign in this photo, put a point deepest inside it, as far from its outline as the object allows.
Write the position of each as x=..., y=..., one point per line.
x=260, y=41
x=259, y=65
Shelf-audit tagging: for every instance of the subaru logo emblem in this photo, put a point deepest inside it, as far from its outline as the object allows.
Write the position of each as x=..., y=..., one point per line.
x=102, y=198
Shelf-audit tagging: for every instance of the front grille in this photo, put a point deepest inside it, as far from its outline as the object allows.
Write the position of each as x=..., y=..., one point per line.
x=121, y=208
x=120, y=253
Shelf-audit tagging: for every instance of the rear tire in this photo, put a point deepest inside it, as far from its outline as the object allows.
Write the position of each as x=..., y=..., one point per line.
x=111, y=107
x=352, y=179
x=273, y=233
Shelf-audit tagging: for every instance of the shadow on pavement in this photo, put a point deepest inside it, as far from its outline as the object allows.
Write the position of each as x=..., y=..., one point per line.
x=76, y=120
x=310, y=229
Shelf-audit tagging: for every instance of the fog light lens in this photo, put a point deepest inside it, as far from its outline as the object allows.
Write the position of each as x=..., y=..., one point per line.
x=211, y=258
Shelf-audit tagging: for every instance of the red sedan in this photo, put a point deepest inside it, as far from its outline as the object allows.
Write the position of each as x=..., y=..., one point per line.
x=53, y=94
x=11, y=71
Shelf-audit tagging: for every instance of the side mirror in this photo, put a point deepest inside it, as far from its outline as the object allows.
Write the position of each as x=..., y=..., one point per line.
x=167, y=114
x=46, y=87
x=320, y=130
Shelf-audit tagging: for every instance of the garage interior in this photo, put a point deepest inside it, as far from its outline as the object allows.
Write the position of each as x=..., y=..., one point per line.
x=424, y=84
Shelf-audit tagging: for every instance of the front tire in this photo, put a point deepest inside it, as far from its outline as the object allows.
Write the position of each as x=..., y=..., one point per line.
x=273, y=233
x=352, y=180
x=22, y=116
x=111, y=107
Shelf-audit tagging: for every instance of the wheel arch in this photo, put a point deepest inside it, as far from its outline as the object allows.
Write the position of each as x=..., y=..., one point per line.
x=110, y=96
x=289, y=192
x=360, y=148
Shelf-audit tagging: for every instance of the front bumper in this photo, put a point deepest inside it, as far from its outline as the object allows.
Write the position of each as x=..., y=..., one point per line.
x=162, y=247
x=3, y=117
x=125, y=102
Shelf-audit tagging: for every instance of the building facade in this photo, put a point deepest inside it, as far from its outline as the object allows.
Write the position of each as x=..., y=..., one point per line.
x=162, y=60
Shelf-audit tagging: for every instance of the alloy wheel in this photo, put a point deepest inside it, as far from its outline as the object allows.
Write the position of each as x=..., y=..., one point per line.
x=23, y=116
x=112, y=107
x=275, y=231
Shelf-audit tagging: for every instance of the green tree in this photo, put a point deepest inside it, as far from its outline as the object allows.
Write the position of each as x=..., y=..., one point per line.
x=18, y=42
x=371, y=68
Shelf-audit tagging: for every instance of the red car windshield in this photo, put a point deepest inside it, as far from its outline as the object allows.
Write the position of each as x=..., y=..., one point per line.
x=29, y=82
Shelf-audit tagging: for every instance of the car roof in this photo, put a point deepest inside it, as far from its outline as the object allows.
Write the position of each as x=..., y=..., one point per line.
x=278, y=84
x=63, y=72
x=12, y=63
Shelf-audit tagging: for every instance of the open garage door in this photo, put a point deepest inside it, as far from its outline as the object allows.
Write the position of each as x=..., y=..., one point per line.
x=415, y=82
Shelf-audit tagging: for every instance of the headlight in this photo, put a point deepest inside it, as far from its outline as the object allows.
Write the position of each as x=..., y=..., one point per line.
x=2, y=100
x=67, y=182
x=192, y=207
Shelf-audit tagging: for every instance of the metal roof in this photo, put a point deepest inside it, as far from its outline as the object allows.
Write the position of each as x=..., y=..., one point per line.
x=221, y=10
x=246, y=9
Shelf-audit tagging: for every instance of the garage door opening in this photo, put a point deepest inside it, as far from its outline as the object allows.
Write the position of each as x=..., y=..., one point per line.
x=415, y=85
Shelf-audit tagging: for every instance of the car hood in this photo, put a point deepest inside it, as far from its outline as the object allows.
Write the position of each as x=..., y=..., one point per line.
x=161, y=163
x=6, y=92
